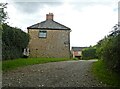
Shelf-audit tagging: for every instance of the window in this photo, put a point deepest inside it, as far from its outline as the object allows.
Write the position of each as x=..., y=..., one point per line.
x=42, y=34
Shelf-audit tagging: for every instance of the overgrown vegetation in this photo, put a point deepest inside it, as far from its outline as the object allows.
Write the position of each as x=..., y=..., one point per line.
x=107, y=69
x=3, y=14
x=75, y=58
x=89, y=53
x=14, y=40
x=105, y=75
x=108, y=49
x=3, y=17
x=13, y=64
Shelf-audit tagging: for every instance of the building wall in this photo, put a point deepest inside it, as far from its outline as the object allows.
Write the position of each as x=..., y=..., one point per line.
x=52, y=46
x=77, y=53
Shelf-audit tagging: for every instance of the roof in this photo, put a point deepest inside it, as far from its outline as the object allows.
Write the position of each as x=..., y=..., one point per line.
x=78, y=48
x=49, y=25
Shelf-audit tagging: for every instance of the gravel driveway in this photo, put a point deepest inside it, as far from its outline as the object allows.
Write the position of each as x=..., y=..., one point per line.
x=55, y=74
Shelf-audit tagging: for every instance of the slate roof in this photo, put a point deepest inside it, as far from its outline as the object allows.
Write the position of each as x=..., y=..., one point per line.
x=48, y=25
x=78, y=48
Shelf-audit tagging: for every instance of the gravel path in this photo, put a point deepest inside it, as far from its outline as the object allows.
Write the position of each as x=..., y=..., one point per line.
x=55, y=74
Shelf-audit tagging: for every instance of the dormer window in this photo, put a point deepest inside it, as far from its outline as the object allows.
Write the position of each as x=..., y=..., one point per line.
x=42, y=34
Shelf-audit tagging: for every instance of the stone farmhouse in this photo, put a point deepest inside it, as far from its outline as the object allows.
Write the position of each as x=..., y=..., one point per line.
x=49, y=39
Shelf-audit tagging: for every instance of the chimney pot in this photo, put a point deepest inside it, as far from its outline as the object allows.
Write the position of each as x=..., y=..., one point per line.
x=49, y=16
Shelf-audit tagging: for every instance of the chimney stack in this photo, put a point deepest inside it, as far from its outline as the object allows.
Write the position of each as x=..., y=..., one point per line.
x=49, y=16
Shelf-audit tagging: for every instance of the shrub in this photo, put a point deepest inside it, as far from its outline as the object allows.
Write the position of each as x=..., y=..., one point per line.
x=89, y=53
x=14, y=40
x=108, y=49
x=75, y=58
x=111, y=53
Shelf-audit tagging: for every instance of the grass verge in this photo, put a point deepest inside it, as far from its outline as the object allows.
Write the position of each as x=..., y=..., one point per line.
x=13, y=64
x=106, y=76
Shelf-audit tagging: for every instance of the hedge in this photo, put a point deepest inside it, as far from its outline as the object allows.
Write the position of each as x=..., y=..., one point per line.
x=14, y=40
x=89, y=53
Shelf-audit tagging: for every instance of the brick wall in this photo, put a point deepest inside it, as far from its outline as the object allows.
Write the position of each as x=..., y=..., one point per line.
x=55, y=45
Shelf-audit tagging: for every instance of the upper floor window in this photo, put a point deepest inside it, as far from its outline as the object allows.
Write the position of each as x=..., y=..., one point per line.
x=42, y=34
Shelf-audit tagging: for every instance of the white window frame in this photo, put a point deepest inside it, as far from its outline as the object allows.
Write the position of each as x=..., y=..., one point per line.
x=42, y=34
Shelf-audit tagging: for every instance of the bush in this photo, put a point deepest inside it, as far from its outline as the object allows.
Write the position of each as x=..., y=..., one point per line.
x=14, y=40
x=108, y=49
x=111, y=53
x=89, y=53
x=75, y=58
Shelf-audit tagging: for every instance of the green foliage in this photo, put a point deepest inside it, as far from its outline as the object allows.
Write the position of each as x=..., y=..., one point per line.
x=108, y=49
x=105, y=75
x=75, y=58
x=14, y=40
x=89, y=53
x=0, y=42
x=3, y=14
x=13, y=64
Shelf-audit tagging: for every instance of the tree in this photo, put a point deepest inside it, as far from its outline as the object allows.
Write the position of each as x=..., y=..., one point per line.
x=3, y=14
x=115, y=31
x=14, y=40
x=108, y=49
x=3, y=17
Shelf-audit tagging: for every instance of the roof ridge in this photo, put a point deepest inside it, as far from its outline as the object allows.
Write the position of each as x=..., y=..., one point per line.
x=53, y=25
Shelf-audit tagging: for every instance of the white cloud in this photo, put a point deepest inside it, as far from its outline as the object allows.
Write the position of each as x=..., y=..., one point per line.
x=92, y=25
x=89, y=24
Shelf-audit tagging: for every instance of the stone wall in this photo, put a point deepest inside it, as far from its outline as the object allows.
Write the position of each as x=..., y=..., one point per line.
x=56, y=45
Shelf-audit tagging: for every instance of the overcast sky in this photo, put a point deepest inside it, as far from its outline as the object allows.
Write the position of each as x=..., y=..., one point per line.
x=89, y=20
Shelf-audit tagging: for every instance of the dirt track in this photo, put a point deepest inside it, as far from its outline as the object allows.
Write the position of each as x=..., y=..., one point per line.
x=55, y=74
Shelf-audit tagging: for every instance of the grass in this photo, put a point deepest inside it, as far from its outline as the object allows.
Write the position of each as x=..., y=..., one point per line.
x=75, y=59
x=0, y=66
x=13, y=64
x=106, y=76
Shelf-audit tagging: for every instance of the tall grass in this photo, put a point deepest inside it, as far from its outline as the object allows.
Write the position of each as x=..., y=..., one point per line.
x=108, y=77
x=13, y=64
